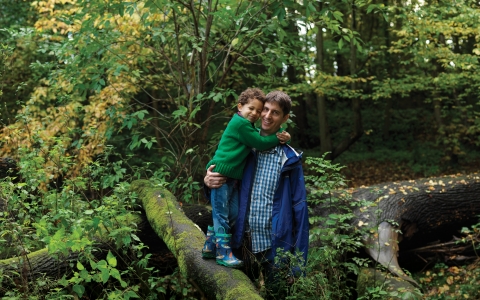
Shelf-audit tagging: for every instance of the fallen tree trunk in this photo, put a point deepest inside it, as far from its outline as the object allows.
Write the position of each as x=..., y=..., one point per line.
x=185, y=240
x=23, y=270
x=415, y=211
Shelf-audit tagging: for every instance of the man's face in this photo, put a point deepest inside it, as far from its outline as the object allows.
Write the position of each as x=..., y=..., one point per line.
x=272, y=118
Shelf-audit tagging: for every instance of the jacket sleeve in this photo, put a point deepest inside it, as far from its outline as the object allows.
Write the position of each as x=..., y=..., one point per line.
x=249, y=135
x=300, y=212
x=207, y=192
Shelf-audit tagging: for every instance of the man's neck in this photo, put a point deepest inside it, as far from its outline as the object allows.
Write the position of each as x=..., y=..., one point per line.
x=265, y=133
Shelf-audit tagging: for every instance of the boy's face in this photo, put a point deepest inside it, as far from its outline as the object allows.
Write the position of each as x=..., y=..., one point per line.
x=251, y=110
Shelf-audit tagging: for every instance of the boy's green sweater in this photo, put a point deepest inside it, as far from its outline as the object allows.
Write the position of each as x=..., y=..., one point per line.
x=239, y=138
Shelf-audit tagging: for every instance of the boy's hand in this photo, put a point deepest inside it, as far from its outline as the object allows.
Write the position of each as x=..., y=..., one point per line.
x=283, y=137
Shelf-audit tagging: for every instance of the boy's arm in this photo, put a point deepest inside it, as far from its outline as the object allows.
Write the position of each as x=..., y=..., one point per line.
x=249, y=136
x=284, y=137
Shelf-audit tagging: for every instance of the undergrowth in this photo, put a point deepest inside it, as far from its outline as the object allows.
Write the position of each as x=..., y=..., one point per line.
x=83, y=225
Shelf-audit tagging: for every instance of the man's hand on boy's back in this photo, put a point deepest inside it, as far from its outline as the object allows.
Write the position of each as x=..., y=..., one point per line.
x=213, y=179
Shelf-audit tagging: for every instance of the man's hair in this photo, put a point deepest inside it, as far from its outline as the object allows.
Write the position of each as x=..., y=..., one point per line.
x=251, y=93
x=282, y=99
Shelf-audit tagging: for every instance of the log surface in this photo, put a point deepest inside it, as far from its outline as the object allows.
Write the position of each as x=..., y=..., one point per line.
x=185, y=240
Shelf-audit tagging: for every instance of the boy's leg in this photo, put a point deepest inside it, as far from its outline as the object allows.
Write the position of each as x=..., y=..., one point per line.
x=224, y=200
x=233, y=204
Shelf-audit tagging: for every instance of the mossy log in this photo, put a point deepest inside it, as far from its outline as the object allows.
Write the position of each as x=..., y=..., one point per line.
x=185, y=240
x=22, y=271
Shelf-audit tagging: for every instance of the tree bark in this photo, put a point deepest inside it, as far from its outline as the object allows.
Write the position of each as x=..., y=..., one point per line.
x=412, y=211
x=324, y=130
x=421, y=206
x=357, y=131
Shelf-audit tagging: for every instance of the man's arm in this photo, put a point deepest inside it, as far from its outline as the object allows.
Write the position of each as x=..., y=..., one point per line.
x=214, y=180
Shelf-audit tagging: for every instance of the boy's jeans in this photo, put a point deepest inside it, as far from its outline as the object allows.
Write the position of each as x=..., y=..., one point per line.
x=225, y=205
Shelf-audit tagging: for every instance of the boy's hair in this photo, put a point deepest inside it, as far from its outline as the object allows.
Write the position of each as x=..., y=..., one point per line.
x=251, y=93
x=282, y=99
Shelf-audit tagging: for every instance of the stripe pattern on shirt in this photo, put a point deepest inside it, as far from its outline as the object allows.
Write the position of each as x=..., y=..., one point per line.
x=269, y=165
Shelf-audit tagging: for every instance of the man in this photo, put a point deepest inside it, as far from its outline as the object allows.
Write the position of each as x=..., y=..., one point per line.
x=272, y=211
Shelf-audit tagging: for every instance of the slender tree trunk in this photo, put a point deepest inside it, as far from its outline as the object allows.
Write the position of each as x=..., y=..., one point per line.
x=324, y=130
x=158, y=136
x=387, y=116
x=356, y=105
x=293, y=75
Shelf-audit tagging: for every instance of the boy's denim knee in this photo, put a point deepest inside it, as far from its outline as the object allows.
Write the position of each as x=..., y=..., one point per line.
x=225, y=205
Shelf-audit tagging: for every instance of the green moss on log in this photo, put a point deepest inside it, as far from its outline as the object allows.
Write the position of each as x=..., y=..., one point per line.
x=185, y=240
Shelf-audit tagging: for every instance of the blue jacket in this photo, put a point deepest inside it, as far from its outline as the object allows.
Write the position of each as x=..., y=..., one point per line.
x=290, y=212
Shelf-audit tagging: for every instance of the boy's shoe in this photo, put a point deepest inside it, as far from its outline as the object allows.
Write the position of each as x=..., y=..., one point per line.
x=209, y=248
x=225, y=256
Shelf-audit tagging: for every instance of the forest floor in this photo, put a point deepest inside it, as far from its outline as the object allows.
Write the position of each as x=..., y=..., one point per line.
x=371, y=172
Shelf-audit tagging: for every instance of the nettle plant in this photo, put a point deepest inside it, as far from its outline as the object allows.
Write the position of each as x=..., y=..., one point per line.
x=85, y=222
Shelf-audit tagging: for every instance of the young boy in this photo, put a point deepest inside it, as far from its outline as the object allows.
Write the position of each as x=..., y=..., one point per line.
x=238, y=139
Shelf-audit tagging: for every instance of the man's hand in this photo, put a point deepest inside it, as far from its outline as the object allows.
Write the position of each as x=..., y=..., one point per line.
x=213, y=179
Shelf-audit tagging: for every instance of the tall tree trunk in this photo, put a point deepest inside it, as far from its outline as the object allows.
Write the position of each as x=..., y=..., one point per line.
x=324, y=130
x=299, y=110
x=357, y=116
x=387, y=115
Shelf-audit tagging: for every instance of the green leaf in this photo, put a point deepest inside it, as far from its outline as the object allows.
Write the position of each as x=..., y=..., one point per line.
x=79, y=289
x=115, y=274
x=111, y=259
x=217, y=97
x=180, y=112
x=105, y=275
x=130, y=294
x=80, y=266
